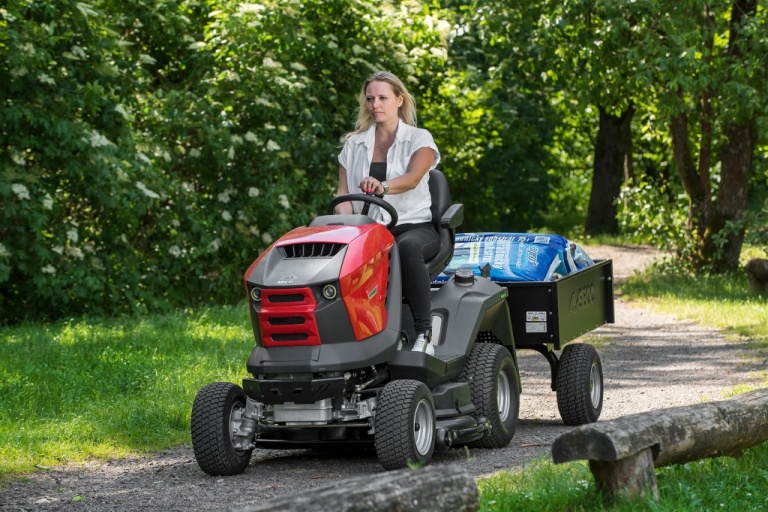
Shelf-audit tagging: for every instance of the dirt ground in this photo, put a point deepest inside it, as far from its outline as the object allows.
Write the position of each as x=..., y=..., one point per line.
x=650, y=361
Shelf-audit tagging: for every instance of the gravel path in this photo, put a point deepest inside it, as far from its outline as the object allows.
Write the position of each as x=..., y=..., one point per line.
x=650, y=361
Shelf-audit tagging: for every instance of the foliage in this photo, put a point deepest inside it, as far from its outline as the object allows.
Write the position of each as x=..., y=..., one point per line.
x=147, y=157
x=151, y=149
x=654, y=214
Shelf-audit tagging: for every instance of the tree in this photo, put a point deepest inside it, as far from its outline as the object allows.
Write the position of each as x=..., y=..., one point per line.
x=708, y=65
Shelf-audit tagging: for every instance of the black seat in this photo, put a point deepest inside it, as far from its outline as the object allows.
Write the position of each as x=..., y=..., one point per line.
x=445, y=217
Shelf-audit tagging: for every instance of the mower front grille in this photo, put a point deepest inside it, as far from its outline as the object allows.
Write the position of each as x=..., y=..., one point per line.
x=312, y=250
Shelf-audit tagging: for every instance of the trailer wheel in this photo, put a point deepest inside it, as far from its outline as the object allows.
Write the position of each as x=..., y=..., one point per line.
x=216, y=414
x=579, y=384
x=405, y=424
x=492, y=376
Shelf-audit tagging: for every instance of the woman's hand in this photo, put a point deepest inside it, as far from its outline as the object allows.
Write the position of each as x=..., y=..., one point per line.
x=371, y=186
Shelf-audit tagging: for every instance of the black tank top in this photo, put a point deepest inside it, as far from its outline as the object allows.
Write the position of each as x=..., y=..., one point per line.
x=379, y=171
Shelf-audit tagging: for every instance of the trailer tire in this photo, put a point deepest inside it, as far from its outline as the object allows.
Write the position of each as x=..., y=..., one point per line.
x=579, y=384
x=405, y=425
x=493, y=381
x=216, y=410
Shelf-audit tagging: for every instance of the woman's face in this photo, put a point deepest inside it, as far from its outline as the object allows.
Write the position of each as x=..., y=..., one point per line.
x=381, y=101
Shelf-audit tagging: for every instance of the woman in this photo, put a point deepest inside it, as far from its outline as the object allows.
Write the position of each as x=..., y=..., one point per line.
x=389, y=156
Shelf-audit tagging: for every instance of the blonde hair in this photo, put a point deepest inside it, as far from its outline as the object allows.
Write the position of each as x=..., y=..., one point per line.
x=407, y=111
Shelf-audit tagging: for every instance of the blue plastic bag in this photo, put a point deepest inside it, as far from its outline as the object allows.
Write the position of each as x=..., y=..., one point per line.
x=508, y=257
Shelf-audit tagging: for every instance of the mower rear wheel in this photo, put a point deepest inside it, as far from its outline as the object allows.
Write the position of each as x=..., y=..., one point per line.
x=492, y=376
x=216, y=416
x=579, y=384
x=405, y=424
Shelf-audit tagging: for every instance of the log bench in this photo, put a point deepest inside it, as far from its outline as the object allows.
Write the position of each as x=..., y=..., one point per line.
x=624, y=452
x=430, y=489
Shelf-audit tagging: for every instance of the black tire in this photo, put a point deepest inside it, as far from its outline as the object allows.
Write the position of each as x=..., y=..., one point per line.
x=579, y=384
x=492, y=377
x=405, y=424
x=216, y=407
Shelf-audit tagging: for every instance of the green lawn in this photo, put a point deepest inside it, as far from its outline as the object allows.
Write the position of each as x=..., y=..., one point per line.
x=104, y=388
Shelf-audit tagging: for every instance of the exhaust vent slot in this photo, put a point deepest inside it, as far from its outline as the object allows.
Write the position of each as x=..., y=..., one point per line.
x=312, y=250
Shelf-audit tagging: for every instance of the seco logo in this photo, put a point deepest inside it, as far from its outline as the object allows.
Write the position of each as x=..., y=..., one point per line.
x=582, y=298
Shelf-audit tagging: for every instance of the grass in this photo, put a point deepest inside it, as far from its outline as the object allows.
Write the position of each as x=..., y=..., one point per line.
x=725, y=483
x=720, y=484
x=101, y=388
x=721, y=301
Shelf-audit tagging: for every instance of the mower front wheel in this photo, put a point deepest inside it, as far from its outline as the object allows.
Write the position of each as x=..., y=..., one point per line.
x=405, y=425
x=216, y=416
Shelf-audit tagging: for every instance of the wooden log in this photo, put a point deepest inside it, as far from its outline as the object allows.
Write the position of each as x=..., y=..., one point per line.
x=670, y=436
x=630, y=477
x=431, y=489
x=757, y=276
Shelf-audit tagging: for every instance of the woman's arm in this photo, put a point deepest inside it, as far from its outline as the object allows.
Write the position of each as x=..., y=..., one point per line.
x=418, y=166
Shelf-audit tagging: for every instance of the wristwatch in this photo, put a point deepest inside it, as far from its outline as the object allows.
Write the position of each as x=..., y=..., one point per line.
x=385, y=186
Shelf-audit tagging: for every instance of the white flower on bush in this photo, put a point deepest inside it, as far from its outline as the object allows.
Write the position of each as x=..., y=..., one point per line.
x=48, y=202
x=21, y=191
x=18, y=159
x=254, y=231
x=144, y=158
x=271, y=64
x=3, y=251
x=72, y=235
x=214, y=246
x=174, y=251
x=284, y=201
x=223, y=197
x=251, y=137
x=149, y=193
x=75, y=252
x=175, y=223
x=122, y=111
x=188, y=187
x=253, y=192
x=48, y=269
x=194, y=153
x=45, y=79
x=266, y=238
x=273, y=146
x=226, y=215
x=58, y=249
x=97, y=140
x=251, y=8
x=231, y=153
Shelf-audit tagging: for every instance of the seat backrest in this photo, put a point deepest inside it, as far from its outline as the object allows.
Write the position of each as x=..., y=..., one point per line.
x=441, y=201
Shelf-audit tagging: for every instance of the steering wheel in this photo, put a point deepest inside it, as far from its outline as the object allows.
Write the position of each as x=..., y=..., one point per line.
x=368, y=199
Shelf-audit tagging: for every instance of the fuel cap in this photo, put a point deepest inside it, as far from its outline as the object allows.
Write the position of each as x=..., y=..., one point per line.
x=464, y=277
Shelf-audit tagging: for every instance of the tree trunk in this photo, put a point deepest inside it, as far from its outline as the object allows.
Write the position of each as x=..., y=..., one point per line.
x=613, y=160
x=736, y=156
x=732, y=196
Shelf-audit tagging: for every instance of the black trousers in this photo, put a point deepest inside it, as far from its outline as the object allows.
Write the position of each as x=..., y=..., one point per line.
x=417, y=243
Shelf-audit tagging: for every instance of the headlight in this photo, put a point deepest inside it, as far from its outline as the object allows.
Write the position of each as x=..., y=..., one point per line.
x=330, y=292
x=256, y=294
